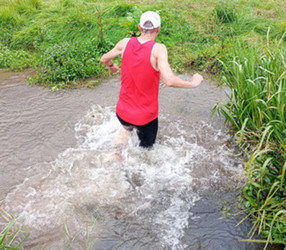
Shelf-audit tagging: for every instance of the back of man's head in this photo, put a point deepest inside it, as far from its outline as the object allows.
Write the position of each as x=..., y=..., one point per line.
x=150, y=20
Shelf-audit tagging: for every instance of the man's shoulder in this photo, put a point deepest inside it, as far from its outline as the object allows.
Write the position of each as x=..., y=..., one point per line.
x=122, y=43
x=125, y=40
x=159, y=48
x=160, y=45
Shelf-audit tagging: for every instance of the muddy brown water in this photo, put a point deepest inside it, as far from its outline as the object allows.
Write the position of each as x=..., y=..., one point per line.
x=59, y=176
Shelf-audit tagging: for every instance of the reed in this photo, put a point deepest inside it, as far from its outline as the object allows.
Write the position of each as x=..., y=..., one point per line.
x=256, y=113
x=12, y=236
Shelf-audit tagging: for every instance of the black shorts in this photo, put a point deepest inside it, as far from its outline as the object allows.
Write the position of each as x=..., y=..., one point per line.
x=146, y=133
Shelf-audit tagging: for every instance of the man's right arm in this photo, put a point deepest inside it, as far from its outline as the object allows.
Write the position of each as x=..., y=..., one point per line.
x=106, y=59
x=168, y=76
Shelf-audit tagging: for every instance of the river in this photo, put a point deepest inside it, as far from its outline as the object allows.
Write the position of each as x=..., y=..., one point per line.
x=59, y=175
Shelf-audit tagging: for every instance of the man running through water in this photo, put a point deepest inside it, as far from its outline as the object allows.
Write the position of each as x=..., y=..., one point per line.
x=143, y=60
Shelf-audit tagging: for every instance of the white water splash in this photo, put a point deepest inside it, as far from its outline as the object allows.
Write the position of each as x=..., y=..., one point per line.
x=153, y=190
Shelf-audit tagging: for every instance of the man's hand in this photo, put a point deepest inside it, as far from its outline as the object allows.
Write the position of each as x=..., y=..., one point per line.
x=114, y=68
x=196, y=80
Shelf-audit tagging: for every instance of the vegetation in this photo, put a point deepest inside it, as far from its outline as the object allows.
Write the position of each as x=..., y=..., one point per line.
x=12, y=236
x=257, y=111
x=242, y=42
x=62, y=40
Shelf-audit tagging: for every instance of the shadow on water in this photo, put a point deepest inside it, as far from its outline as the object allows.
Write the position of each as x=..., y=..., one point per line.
x=60, y=176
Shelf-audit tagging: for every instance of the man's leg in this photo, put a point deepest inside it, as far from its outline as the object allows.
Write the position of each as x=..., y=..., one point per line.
x=147, y=133
x=123, y=136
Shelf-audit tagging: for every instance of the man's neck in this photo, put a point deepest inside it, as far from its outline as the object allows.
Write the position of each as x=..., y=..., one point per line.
x=144, y=37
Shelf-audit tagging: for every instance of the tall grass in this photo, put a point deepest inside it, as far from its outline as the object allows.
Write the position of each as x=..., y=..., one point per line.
x=257, y=79
x=256, y=110
x=65, y=39
x=12, y=236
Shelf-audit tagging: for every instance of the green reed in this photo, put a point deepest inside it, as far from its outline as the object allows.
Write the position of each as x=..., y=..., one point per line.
x=12, y=236
x=256, y=112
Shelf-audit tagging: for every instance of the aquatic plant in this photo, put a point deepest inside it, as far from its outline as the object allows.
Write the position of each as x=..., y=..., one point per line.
x=256, y=111
x=12, y=236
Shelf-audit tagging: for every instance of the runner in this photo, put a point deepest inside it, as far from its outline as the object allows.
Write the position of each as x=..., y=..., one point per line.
x=143, y=61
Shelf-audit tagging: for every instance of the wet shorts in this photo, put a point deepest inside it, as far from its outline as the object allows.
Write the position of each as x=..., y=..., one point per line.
x=146, y=133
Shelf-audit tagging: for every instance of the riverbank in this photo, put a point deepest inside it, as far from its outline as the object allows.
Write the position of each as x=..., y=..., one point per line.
x=63, y=40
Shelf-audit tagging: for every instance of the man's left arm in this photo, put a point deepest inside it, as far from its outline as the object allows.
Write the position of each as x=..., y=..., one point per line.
x=168, y=75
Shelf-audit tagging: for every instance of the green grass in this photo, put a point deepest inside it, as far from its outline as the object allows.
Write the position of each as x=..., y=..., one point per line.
x=11, y=238
x=256, y=110
x=196, y=34
x=12, y=235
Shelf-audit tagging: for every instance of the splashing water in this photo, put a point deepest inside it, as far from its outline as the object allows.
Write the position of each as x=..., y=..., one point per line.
x=141, y=202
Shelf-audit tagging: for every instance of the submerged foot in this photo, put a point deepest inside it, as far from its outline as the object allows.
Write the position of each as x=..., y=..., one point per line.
x=118, y=157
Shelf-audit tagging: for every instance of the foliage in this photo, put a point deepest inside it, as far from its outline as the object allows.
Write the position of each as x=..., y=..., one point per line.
x=12, y=237
x=14, y=59
x=131, y=21
x=225, y=11
x=196, y=35
x=56, y=24
x=258, y=90
x=256, y=110
x=67, y=62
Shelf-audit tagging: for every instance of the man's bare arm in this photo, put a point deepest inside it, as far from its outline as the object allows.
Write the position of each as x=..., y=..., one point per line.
x=106, y=59
x=168, y=76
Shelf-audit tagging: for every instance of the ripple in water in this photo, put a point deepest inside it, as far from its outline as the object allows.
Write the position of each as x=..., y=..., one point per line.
x=141, y=202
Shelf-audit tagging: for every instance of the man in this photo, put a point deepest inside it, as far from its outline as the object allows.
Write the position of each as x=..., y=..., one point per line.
x=143, y=60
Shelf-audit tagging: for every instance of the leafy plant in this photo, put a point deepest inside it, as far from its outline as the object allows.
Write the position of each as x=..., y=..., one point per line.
x=14, y=59
x=131, y=21
x=66, y=62
x=256, y=111
x=12, y=236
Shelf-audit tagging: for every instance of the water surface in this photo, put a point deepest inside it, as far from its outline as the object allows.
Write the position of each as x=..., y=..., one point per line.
x=60, y=176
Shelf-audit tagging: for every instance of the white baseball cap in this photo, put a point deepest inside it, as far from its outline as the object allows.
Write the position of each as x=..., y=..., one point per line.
x=151, y=16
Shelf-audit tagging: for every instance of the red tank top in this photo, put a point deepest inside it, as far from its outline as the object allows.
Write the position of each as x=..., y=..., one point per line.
x=138, y=98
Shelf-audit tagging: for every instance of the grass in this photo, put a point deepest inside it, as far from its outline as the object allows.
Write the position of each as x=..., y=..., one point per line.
x=76, y=33
x=242, y=42
x=256, y=110
x=12, y=236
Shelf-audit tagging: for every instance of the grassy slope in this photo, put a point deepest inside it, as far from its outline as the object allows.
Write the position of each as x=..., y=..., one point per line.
x=33, y=30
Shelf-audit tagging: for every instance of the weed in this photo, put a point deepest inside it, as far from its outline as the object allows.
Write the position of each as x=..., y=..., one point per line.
x=225, y=11
x=256, y=109
x=14, y=59
x=12, y=236
x=67, y=62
